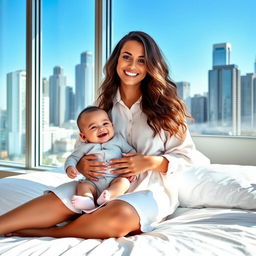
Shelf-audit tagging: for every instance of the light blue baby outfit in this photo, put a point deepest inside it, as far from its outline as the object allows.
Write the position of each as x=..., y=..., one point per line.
x=105, y=152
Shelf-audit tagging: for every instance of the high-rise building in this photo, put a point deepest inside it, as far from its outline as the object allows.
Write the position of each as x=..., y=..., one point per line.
x=16, y=98
x=248, y=101
x=45, y=141
x=221, y=54
x=84, y=89
x=70, y=101
x=57, y=93
x=45, y=106
x=224, y=98
x=183, y=90
x=199, y=108
x=3, y=133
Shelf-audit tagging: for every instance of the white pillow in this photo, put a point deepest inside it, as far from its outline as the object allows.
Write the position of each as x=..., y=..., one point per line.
x=217, y=186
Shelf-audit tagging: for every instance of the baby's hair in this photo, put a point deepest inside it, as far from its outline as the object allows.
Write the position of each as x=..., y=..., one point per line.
x=87, y=110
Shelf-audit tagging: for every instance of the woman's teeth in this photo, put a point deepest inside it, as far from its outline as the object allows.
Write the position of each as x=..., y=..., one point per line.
x=130, y=73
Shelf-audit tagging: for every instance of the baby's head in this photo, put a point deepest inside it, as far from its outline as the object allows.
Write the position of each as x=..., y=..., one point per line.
x=94, y=125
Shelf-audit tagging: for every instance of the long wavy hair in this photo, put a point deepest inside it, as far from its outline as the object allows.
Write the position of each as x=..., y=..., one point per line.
x=160, y=102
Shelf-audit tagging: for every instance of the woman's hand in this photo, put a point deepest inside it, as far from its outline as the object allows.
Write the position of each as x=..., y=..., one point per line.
x=89, y=167
x=131, y=164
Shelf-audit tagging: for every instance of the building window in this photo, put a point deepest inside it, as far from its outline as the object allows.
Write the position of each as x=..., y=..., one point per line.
x=12, y=81
x=67, y=82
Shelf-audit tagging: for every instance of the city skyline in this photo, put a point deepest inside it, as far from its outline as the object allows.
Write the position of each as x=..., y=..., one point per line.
x=231, y=98
x=187, y=47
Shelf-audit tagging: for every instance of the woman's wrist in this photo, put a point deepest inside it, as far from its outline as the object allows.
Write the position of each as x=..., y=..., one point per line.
x=157, y=163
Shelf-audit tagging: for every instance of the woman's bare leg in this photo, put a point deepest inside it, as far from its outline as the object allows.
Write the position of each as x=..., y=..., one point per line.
x=42, y=212
x=116, y=219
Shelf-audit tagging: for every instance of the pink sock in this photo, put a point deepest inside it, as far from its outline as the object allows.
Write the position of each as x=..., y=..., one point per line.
x=83, y=202
x=104, y=197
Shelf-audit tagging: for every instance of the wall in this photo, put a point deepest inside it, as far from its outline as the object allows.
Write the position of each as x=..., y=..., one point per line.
x=228, y=150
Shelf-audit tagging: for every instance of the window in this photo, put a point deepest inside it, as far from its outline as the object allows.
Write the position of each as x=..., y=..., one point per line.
x=67, y=82
x=210, y=48
x=12, y=80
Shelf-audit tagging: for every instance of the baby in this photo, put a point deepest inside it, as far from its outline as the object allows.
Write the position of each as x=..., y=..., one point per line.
x=97, y=132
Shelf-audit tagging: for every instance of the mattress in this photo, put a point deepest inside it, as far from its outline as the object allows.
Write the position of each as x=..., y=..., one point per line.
x=202, y=225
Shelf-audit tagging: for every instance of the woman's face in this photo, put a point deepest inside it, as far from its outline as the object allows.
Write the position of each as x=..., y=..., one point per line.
x=131, y=67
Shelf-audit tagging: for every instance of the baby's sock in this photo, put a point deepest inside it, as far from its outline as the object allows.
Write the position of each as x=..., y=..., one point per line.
x=83, y=202
x=104, y=197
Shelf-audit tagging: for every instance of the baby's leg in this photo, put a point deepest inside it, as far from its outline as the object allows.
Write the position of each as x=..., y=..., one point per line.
x=117, y=187
x=84, y=199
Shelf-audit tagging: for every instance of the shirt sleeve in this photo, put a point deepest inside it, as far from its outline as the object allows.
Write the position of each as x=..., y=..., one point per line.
x=73, y=159
x=182, y=153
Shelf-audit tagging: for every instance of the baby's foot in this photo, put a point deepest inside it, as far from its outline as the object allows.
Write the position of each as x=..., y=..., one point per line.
x=83, y=202
x=104, y=197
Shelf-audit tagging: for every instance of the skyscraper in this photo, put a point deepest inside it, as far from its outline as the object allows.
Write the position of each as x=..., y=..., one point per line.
x=3, y=133
x=248, y=101
x=221, y=54
x=183, y=90
x=57, y=93
x=16, y=98
x=199, y=108
x=45, y=109
x=70, y=115
x=84, y=93
x=224, y=98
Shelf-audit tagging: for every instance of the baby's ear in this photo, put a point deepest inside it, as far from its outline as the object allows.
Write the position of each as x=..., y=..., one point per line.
x=82, y=136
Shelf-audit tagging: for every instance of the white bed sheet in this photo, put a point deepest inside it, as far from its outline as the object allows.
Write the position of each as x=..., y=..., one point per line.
x=192, y=232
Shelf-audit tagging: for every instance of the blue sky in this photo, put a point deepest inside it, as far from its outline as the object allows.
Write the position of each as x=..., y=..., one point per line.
x=185, y=30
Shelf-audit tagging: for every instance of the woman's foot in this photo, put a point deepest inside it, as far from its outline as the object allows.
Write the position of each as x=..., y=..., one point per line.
x=83, y=202
x=104, y=197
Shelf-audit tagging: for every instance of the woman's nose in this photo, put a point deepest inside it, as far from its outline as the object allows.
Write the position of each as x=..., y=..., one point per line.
x=133, y=64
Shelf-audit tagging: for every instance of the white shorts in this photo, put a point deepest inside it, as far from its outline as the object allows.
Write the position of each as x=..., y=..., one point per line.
x=146, y=202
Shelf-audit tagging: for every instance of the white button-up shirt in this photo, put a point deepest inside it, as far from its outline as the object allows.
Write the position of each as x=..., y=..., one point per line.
x=132, y=124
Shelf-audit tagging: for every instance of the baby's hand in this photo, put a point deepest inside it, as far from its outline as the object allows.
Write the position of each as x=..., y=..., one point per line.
x=132, y=178
x=72, y=172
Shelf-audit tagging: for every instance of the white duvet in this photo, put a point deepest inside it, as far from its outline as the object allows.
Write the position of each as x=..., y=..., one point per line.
x=204, y=231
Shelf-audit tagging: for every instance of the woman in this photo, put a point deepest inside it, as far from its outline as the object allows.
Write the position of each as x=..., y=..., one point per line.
x=145, y=108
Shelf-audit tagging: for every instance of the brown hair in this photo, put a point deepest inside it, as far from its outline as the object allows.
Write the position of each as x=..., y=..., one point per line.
x=160, y=102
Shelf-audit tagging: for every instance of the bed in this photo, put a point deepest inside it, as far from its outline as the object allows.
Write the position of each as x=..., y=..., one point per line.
x=216, y=216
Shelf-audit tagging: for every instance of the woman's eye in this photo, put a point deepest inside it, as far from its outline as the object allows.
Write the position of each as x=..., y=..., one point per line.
x=141, y=61
x=126, y=57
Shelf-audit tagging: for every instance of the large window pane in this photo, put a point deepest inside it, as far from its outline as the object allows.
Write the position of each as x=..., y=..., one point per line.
x=67, y=74
x=12, y=80
x=210, y=48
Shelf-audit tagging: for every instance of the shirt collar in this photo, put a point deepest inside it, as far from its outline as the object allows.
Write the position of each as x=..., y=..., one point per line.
x=117, y=98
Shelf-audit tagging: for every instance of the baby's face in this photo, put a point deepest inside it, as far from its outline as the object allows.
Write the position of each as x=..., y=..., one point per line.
x=96, y=127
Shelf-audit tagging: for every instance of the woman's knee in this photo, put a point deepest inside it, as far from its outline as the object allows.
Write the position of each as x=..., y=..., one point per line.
x=123, y=218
